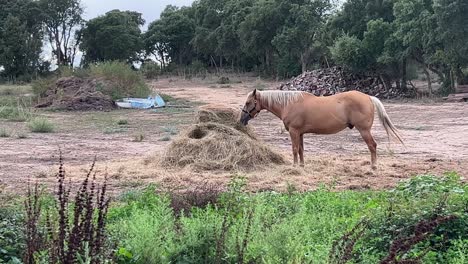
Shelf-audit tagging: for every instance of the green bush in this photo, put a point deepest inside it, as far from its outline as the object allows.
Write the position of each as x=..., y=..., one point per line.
x=40, y=125
x=11, y=235
x=295, y=228
x=41, y=86
x=15, y=113
x=151, y=70
x=4, y=133
x=122, y=81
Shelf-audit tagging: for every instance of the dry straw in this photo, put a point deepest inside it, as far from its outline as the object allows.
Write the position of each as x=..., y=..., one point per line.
x=219, y=142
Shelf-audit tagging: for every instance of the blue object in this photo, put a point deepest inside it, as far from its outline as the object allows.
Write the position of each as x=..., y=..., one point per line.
x=141, y=103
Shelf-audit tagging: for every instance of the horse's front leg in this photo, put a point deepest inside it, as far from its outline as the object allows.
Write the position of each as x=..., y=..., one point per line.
x=301, y=150
x=295, y=141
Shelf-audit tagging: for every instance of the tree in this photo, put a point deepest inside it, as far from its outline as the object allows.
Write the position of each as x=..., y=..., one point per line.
x=416, y=28
x=62, y=19
x=114, y=36
x=299, y=37
x=156, y=43
x=20, y=38
x=259, y=28
x=172, y=33
x=452, y=21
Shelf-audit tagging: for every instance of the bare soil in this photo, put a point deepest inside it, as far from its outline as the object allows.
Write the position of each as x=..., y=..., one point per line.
x=436, y=137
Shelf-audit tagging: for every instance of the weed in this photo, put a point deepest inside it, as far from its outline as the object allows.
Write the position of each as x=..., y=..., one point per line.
x=21, y=135
x=4, y=133
x=40, y=125
x=73, y=231
x=223, y=80
x=122, y=122
x=139, y=137
x=125, y=81
x=167, y=98
x=17, y=110
x=170, y=130
x=113, y=130
x=165, y=138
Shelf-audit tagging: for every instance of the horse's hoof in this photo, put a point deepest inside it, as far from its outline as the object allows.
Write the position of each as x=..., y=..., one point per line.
x=373, y=167
x=302, y=165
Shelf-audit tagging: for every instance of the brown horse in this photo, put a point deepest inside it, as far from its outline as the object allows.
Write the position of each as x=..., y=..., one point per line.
x=303, y=112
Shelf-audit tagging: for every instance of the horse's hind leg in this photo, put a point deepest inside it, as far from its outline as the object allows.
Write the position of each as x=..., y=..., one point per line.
x=301, y=150
x=371, y=144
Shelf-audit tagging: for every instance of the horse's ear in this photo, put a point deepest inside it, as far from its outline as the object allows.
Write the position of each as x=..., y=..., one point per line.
x=254, y=93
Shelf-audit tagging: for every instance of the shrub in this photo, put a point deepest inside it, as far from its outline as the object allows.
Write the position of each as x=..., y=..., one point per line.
x=17, y=110
x=11, y=234
x=40, y=125
x=123, y=81
x=41, y=86
x=122, y=122
x=4, y=133
x=67, y=232
x=151, y=70
x=139, y=137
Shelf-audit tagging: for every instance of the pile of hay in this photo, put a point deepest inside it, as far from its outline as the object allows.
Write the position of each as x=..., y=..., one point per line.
x=225, y=115
x=73, y=93
x=218, y=142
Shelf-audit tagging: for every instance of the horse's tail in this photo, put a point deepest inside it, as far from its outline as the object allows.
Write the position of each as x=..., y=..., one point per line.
x=386, y=122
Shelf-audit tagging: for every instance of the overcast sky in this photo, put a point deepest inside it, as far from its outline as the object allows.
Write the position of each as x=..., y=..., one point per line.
x=149, y=8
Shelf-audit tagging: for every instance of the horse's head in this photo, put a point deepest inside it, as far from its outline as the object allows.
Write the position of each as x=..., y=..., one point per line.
x=251, y=108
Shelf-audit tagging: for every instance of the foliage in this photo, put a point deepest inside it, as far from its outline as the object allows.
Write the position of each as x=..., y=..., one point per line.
x=41, y=125
x=62, y=20
x=113, y=36
x=123, y=81
x=11, y=234
x=61, y=231
x=294, y=228
x=20, y=39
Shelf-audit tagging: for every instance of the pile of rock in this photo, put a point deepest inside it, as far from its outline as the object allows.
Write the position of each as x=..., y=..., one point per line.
x=330, y=81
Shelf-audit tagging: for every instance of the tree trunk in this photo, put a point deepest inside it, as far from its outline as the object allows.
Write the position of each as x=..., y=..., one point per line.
x=403, y=75
x=428, y=78
x=303, y=63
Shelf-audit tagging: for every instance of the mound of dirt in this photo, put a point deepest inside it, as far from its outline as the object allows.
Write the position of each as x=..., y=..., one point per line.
x=218, y=142
x=73, y=93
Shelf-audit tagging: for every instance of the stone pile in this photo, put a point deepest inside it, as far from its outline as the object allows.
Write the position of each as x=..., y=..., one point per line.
x=330, y=81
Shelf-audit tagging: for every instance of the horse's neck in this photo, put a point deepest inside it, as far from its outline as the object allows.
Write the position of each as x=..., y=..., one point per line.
x=275, y=109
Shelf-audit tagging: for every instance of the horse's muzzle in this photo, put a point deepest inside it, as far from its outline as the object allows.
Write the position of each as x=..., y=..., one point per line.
x=244, y=120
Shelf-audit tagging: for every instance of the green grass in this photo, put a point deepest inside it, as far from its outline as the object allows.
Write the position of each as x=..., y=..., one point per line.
x=292, y=227
x=114, y=130
x=4, y=133
x=122, y=122
x=170, y=130
x=320, y=226
x=40, y=125
x=165, y=138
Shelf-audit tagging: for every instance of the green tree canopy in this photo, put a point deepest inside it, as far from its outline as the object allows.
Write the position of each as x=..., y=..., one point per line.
x=20, y=38
x=113, y=36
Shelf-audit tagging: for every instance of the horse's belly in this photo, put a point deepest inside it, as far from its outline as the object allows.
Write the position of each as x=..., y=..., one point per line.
x=326, y=128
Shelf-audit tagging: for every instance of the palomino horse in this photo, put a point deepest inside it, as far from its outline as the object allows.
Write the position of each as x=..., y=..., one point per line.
x=303, y=112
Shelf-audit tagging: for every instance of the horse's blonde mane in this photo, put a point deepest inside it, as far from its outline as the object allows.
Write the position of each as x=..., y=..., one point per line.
x=282, y=98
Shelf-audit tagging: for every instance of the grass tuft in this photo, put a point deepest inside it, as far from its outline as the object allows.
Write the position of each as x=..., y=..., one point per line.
x=4, y=133
x=41, y=125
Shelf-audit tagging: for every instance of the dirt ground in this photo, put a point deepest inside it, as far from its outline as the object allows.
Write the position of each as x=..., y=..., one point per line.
x=435, y=133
